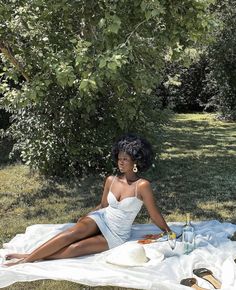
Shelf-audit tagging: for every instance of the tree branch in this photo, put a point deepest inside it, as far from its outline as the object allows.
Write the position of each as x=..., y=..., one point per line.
x=5, y=49
x=135, y=28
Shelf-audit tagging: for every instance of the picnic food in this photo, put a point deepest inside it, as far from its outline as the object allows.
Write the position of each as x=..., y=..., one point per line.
x=146, y=241
x=154, y=236
x=151, y=238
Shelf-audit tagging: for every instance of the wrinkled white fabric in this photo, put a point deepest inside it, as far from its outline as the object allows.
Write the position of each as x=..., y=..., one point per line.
x=213, y=251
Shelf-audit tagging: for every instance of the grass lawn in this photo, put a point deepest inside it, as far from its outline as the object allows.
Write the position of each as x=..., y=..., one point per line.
x=196, y=173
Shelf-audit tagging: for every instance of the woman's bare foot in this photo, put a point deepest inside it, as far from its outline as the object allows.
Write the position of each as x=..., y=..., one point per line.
x=20, y=261
x=16, y=256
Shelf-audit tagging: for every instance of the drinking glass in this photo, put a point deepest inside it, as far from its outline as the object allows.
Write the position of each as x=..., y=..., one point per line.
x=171, y=239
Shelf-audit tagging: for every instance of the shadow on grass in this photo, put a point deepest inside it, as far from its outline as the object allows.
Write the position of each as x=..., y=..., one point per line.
x=55, y=199
x=197, y=169
x=5, y=149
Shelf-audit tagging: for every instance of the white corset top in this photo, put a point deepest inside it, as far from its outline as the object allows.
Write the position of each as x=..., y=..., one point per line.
x=130, y=204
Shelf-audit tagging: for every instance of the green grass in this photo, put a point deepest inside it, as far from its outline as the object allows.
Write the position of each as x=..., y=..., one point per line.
x=195, y=173
x=197, y=168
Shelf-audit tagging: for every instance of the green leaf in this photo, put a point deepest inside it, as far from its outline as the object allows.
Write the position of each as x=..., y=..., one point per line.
x=114, y=27
x=79, y=59
x=112, y=65
x=83, y=84
x=102, y=63
x=101, y=22
x=115, y=24
x=74, y=40
x=93, y=84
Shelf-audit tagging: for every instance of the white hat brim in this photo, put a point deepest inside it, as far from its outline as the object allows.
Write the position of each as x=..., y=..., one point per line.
x=123, y=262
x=116, y=258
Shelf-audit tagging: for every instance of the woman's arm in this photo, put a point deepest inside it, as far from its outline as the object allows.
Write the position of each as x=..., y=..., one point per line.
x=145, y=190
x=103, y=203
x=106, y=188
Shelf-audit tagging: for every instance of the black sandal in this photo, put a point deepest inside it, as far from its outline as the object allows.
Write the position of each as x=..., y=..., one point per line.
x=191, y=282
x=207, y=275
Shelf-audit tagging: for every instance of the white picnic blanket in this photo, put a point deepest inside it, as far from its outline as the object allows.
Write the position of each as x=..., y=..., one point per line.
x=213, y=251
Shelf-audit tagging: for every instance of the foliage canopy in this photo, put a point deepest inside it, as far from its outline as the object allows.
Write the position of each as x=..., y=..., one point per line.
x=83, y=72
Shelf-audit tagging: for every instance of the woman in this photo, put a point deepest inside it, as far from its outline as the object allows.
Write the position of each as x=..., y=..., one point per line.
x=109, y=225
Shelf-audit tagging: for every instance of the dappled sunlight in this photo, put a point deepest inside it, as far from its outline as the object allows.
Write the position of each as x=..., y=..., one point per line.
x=197, y=167
x=17, y=178
x=203, y=136
x=223, y=209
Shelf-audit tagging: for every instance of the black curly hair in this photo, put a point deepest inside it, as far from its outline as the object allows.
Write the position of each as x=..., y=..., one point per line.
x=138, y=148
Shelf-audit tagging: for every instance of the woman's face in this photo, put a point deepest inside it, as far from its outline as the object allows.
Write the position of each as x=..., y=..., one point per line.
x=125, y=162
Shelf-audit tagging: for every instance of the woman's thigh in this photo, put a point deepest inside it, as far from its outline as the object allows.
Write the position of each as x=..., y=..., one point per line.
x=85, y=228
x=91, y=245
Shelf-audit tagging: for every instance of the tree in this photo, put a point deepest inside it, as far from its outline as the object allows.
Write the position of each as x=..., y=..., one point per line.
x=209, y=82
x=185, y=88
x=222, y=56
x=89, y=70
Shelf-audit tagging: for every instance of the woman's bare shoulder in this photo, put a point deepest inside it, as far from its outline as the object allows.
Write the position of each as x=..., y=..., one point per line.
x=144, y=188
x=109, y=179
x=144, y=182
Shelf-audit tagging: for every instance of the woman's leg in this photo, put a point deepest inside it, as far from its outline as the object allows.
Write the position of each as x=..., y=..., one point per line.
x=92, y=245
x=83, y=229
x=16, y=256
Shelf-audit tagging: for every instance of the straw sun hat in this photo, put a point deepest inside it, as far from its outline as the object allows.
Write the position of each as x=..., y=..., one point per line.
x=131, y=255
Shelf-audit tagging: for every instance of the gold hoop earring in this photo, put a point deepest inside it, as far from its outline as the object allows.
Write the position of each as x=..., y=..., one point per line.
x=135, y=168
